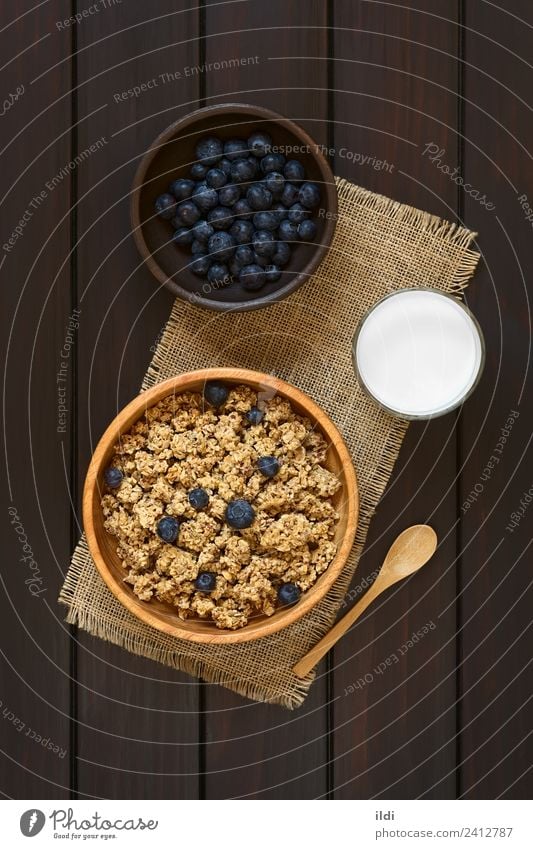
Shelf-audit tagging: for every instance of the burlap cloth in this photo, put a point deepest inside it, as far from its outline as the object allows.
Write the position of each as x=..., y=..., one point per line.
x=379, y=246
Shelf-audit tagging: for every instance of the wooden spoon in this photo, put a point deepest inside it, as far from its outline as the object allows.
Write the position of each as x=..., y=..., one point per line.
x=409, y=551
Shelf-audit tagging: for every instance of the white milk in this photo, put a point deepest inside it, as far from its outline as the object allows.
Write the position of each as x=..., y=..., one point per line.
x=419, y=353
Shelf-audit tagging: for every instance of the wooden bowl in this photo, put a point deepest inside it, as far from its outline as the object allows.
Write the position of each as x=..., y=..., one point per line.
x=170, y=157
x=162, y=616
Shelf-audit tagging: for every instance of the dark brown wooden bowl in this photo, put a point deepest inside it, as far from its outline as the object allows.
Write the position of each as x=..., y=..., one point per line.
x=170, y=157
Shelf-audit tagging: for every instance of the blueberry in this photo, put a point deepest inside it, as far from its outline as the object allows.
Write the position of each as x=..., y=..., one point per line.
x=242, y=208
x=168, y=528
x=209, y=150
x=182, y=189
x=282, y=254
x=234, y=268
x=294, y=170
x=272, y=273
x=220, y=217
x=198, y=498
x=259, y=144
x=272, y=162
x=262, y=261
x=259, y=197
x=216, y=178
x=215, y=392
x=243, y=170
x=255, y=415
x=240, y=514
x=275, y=183
x=204, y=197
x=244, y=255
x=206, y=582
x=113, y=477
x=242, y=231
x=218, y=275
x=221, y=245
x=198, y=171
x=252, y=277
x=197, y=247
x=225, y=166
x=200, y=264
x=279, y=212
x=165, y=206
x=290, y=195
x=289, y=594
x=202, y=231
x=188, y=213
x=235, y=149
x=265, y=221
x=307, y=230
x=268, y=466
x=183, y=236
x=229, y=195
x=309, y=195
x=263, y=242
x=288, y=231
x=297, y=213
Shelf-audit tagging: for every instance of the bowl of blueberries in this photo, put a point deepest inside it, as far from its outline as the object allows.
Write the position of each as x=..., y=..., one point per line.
x=233, y=207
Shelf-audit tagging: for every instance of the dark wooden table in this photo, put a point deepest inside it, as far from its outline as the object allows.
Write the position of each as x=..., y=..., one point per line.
x=382, y=84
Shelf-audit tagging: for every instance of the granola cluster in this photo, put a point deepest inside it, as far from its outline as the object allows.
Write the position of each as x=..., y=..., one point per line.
x=183, y=443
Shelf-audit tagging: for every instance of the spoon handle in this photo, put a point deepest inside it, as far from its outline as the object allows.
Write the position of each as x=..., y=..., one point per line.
x=309, y=660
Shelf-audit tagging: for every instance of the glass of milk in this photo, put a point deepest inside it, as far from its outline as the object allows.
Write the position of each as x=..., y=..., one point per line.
x=418, y=353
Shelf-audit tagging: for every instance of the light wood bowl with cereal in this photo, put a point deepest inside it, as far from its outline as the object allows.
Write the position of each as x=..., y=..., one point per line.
x=162, y=616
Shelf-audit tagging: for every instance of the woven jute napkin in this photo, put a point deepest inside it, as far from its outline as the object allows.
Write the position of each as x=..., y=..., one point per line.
x=380, y=246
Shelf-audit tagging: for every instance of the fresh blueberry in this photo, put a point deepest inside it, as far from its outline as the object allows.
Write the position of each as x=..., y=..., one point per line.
x=272, y=162
x=215, y=393
x=288, y=232
x=294, y=170
x=168, y=528
x=307, y=230
x=206, y=582
x=198, y=498
x=225, y=166
x=265, y=220
x=209, y=150
x=200, y=264
x=272, y=273
x=289, y=594
x=204, y=197
x=240, y=514
x=275, y=183
x=281, y=255
x=183, y=236
x=279, y=212
x=234, y=268
x=309, y=195
x=197, y=247
x=242, y=231
x=268, y=466
x=216, y=178
x=229, y=195
x=182, y=189
x=297, y=213
x=255, y=415
x=259, y=144
x=290, y=195
x=165, y=206
x=113, y=477
x=242, y=208
x=221, y=245
x=235, y=149
x=218, y=275
x=262, y=261
x=244, y=255
x=259, y=197
x=202, y=231
x=198, y=171
x=244, y=170
x=188, y=213
x=220, y=217
x=252, y=277
x=263, y=242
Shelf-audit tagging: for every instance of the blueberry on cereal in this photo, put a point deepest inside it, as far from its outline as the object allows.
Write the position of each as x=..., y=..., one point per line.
x=198, y=498
x=216, y=393
x=268, y=466
x=168, y=528
x=113, y=477
x=205, y=582
x=255, y=415
x=288, y=594
x=240, y=514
